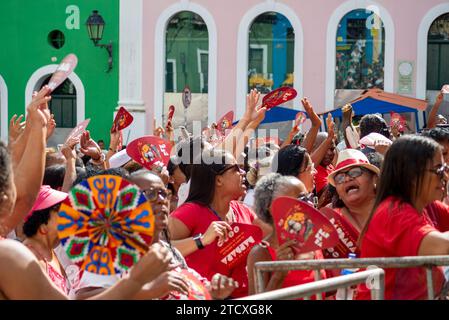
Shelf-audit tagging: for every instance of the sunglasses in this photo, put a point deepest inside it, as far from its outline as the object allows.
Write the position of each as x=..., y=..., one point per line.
x=353, y=173
x=236, y=167
x=153, y=194
x=441, y=171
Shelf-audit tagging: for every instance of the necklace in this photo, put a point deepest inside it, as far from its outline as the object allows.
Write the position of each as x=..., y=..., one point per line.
x=230, y=217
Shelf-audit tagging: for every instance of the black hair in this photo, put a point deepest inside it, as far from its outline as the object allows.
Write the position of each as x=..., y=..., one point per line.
x=171, y=165
x=36, y=219
x=90, y=172
x=403, y=170
x=202, y=181
x=373, y=123
x=439, y=134
x=187, y=152
x=375, y=158
x=54, y=176
x=5, y=167
x=289, y=160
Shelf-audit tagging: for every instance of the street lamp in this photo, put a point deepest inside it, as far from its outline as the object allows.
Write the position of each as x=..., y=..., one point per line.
x=95, y=27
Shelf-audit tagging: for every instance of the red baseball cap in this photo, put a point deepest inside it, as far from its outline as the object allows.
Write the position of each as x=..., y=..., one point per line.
x=47, y=198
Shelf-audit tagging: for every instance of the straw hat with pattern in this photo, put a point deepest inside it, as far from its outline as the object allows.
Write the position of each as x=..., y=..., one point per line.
x=351, y=158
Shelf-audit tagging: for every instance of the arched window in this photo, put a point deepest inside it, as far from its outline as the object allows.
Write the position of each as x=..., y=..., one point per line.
x=186, y=68
x=63, y=103
x=438, y=53
x=360, y=52
x=270, y=52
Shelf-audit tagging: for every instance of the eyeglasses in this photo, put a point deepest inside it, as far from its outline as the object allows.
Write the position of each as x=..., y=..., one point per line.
x=234, y=166
x=441, y=170
x=153, y=194
x=355, y=172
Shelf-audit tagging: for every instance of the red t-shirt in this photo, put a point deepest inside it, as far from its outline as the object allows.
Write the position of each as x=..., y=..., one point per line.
x=397, y=230
x=296, y=277
x=197, y=219
x=321, y=176
x=438, y=212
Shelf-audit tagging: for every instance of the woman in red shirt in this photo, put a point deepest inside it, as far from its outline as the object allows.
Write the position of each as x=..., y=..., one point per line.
x=211, y=207
x=414, y=175
x=354, y=179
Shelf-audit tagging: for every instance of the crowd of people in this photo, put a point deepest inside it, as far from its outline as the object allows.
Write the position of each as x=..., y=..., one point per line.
x=391, y=192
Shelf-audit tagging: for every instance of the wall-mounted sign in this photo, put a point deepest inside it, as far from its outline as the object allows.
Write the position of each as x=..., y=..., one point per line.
x=405, y=78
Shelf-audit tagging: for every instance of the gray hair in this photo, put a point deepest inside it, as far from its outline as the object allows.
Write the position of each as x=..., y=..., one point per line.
x=267, y=189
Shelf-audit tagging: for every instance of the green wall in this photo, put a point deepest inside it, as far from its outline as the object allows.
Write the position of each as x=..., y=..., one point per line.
x=24, y=28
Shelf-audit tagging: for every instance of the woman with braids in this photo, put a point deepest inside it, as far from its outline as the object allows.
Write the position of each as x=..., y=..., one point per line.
x=413, y=176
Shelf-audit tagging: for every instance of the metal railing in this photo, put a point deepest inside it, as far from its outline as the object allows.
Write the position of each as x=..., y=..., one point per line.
x=308, y=289
x=427, y=262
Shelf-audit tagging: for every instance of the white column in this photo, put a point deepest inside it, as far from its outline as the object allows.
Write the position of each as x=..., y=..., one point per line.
x=130, y=76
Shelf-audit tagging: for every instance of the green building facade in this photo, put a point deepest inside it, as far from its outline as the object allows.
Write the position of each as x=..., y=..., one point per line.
x=35, y=37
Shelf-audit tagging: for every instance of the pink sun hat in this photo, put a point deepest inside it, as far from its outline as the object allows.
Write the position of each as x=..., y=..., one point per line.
x=46, y=198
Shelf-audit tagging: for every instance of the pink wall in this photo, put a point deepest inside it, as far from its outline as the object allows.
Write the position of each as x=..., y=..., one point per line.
x=314, y=16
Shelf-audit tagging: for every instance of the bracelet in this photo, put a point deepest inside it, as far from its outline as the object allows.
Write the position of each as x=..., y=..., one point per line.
x=110, y=149
x=198, y=242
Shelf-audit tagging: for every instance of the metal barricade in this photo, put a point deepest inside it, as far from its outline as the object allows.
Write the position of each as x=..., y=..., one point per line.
x=326, y=285
x=427, y=262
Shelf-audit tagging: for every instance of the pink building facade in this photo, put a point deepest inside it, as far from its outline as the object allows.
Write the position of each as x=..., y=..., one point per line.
x=143, y=26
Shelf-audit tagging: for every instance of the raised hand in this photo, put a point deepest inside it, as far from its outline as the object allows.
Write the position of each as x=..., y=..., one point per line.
x=16, y=127
x=330, y=126
x=114, y=140
x=252, y=112
x=159, y=132
x=68, y=149
x=89, y=147
x=51, y=125
x=38, y=111
x=314, y=118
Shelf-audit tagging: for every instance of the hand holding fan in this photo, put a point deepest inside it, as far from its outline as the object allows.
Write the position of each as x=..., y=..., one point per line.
x=105, y=225
x=295, y=219
x=150, y=151
x=122, y=120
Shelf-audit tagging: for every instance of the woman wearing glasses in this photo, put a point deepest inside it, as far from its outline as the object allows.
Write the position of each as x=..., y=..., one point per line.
x=267, y=189
x=211, y=207
x=354, y=179
x=413, y=176
x=171, y=284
